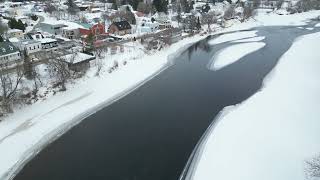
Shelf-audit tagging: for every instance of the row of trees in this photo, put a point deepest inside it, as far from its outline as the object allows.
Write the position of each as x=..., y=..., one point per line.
x=300, y=6
x=306, y=5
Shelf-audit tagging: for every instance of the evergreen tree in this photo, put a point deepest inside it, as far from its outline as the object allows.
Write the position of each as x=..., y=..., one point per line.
x=14, y=24
x=89, y=43
x=21, y=26
x=198, y=24
x=114, y=6
x=185, y=6
x=34, y=17
x=205, y=8
x=160, y=5
x=134, y=4
x=72, y=7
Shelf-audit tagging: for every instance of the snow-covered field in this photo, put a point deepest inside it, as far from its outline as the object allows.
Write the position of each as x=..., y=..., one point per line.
x=24, y=132
x=273, y=133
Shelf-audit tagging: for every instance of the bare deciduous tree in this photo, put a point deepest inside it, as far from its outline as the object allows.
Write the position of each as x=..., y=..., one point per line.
x=256, y=3
x=247, y=12
x=99, y=64
x=99, y=52
x=306, y=5
x=10, y=80
x=209, y=18
x=3, y=30
x=279, y=4
x=313, y=167
x=36, y=81
x=143, y=7
x=229, y=13
x=50, y=8
x=58, y=69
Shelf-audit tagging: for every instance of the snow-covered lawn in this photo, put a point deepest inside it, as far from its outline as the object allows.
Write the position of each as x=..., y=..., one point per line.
x=24, y=132
x=233, y=53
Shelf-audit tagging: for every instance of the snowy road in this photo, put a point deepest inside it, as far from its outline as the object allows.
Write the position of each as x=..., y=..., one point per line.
x=151, y=133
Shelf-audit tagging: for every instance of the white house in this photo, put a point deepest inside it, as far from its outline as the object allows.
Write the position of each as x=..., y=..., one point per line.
x=149, y=27
x=46, y=43
x=30, y=46
x=163, y=20
x=71, y=31
x=9, y=54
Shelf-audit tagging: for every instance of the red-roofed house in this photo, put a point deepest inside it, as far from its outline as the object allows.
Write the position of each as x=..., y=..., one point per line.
x=97, y=29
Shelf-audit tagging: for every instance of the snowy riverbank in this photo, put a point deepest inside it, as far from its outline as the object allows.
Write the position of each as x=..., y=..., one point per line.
x=27, y=130
x=273, y=133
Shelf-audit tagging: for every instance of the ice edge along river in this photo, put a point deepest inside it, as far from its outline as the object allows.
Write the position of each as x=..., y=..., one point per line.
x=201, y=158
x=64, y=127
x=8, y=173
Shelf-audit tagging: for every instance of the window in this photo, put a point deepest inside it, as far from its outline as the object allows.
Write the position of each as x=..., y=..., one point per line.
x=30, y=48
x=38, y=46
x=34, y=47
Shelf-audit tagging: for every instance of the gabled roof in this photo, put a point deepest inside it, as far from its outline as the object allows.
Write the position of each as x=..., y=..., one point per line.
x=77, y=58
x=7, y=47
x=85, y=25
x=122, y=25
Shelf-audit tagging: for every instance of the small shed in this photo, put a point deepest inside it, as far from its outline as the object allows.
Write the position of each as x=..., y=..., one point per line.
x=79, y=61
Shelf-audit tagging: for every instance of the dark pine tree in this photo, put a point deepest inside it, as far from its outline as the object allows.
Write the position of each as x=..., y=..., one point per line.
x=198, y=25
x=160, y=5
x=134, y=4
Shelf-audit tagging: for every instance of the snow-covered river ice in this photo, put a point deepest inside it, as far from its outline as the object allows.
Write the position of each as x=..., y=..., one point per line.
x=151, y=133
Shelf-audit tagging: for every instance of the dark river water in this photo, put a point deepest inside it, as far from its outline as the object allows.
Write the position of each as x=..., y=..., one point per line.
x=150, y=133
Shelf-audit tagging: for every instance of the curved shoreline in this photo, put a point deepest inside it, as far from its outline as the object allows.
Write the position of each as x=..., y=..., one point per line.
x=47, y=139
x=55, y=134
